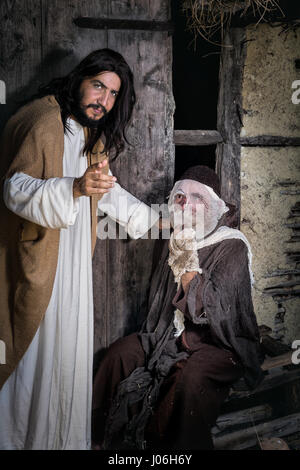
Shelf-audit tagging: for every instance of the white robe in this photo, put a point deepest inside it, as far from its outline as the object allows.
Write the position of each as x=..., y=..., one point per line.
x=46, y=402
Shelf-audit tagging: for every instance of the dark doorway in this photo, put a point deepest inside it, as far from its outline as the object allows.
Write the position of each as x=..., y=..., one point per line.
x=195, y=88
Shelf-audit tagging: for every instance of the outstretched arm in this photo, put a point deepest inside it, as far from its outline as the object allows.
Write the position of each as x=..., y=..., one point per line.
x=128, y=211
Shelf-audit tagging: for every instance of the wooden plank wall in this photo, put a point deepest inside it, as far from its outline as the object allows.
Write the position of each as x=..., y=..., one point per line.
x=38, y=41
x=146, y=169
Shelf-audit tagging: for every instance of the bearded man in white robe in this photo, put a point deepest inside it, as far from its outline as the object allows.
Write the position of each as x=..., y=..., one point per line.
x=54, y=171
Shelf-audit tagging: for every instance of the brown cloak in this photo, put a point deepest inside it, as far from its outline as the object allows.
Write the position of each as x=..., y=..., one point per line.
x=32, y=143
x=223, y=291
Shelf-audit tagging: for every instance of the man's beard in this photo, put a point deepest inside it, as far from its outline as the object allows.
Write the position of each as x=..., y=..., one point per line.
x=79, y=112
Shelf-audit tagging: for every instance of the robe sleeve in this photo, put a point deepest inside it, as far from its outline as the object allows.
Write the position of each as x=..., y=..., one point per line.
x=190, y=302
x=128, y=211
x=48, y=203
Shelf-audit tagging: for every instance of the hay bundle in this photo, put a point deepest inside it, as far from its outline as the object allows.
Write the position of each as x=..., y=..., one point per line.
x=208, y=18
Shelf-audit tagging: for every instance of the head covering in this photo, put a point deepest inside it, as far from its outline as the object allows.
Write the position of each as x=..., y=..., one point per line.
x=202, y=180
x=205, y=175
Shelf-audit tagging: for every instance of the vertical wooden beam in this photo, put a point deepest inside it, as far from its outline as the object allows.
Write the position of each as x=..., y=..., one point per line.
x=230, y=115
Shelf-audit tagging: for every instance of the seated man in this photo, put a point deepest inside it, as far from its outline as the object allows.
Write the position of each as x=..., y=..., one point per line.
x=162, y=388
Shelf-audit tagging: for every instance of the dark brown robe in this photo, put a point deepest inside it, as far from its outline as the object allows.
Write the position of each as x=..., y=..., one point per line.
x=155, y=391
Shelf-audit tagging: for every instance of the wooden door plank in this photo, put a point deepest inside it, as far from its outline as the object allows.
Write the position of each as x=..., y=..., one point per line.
x=20, y=52
x=145, y=169
x=64, y=45
x=250, y=437
x=197, y=137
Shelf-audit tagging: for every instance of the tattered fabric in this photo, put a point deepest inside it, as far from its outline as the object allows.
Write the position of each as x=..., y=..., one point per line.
x=223, y=291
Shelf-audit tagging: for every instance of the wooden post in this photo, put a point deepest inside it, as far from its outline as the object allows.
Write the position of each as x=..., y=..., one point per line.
x=229, y=124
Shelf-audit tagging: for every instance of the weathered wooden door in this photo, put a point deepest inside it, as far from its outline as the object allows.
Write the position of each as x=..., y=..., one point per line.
x=39, y=40
x=122, y=268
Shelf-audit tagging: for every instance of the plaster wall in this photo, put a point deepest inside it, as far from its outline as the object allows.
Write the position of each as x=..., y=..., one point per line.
x=268, y=110
x=269, y=72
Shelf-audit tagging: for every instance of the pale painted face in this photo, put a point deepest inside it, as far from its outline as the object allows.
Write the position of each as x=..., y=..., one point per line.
x=192, y=193
x=98, y=94
x=194, y=205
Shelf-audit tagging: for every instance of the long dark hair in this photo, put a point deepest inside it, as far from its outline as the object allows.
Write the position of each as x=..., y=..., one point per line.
x=113, y=125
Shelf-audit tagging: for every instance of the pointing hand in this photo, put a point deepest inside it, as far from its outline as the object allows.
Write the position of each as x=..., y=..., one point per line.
x=93, y=181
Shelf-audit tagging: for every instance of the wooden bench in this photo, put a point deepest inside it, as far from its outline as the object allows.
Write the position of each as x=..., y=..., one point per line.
x=272, y=410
